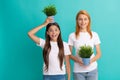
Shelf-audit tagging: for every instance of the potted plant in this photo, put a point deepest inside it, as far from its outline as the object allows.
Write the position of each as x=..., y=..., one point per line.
x=85, y=53
x=50, y=11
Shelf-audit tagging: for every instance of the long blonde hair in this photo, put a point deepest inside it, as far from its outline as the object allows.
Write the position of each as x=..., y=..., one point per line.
x=78, y=27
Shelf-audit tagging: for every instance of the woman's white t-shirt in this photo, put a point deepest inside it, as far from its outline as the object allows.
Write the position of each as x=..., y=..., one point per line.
x=84, y=39
x=54, y=64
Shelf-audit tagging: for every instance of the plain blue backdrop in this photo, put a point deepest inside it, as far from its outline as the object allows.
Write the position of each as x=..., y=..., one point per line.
x=21, y=59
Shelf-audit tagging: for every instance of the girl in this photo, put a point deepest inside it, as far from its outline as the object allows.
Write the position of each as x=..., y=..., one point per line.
x=54, y=51
x=84, y=36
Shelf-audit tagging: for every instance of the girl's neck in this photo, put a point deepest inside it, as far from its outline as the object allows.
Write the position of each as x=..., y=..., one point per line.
x=53, y=40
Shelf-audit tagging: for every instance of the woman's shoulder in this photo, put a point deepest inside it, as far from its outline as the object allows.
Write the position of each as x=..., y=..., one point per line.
x=72, y=34
x=94, y=33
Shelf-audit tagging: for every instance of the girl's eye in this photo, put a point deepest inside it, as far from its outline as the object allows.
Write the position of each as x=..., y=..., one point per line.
x=56, y=29
x=50, y=30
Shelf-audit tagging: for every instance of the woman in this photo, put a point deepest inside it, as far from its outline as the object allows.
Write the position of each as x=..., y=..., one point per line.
x=84, y=36
x=54, y=51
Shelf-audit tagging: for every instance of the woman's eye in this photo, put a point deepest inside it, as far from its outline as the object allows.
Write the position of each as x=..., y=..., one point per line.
x=85, y=19
x=79, y=19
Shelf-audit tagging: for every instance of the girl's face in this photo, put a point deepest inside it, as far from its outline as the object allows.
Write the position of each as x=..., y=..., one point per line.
x=53, y=32
x=83, y=21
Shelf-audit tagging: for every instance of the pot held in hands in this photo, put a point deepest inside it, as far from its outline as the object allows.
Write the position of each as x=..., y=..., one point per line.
x=85, y=53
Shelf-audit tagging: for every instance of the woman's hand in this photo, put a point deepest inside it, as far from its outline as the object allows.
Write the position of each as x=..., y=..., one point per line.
x=80, y=62
x=98, y=54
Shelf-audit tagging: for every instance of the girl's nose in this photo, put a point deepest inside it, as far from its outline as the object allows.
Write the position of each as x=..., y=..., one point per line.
x=53, y=31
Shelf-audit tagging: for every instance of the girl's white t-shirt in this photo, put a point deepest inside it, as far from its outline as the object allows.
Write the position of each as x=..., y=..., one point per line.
x=84, y=39
x=54, y=68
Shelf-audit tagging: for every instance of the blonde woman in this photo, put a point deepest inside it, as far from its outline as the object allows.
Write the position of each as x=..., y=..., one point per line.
x=84, y=36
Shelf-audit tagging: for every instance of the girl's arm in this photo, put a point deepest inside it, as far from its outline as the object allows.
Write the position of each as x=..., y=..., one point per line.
x=67, y=59
x=32, y=32
x=98, y=54
x=75, y=58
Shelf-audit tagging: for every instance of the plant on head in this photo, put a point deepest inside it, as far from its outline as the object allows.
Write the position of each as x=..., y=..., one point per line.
x=50, y=10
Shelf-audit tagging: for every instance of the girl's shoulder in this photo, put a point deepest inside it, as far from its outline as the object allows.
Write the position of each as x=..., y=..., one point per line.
x=66, y=48
x=65, y=43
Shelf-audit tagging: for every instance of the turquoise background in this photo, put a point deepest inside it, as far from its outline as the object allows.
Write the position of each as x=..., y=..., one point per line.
x=21, y=59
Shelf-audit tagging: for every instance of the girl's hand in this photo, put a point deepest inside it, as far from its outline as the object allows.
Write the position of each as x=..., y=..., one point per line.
x=48, y=20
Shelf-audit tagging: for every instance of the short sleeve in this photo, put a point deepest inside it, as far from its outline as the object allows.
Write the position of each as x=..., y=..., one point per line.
x=42, y=43
x=96, y=39
x=70, y=39
x=66, y=49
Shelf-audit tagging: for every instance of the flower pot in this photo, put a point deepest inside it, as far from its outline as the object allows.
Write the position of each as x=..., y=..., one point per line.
x=86, y=61
x=52, y=18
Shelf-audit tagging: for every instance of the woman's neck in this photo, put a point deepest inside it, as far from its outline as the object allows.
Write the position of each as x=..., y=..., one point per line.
x=83, y=30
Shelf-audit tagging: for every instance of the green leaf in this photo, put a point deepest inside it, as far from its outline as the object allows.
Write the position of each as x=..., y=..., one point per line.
x=85, y=51
x=50, y=10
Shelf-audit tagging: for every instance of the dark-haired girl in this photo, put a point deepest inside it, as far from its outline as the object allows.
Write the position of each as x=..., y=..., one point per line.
x=55, y=51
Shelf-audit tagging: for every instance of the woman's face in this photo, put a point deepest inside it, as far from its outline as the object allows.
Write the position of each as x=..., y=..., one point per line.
x=83, y=21
x=53, y=32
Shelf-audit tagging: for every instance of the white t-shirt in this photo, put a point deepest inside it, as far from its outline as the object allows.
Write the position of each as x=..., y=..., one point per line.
x=84, y=39
x=54, y=64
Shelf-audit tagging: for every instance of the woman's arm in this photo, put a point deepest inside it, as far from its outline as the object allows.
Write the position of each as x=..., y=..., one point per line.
x=32, y=32
x=98, y=54
x=67, y=59
x=75, y=58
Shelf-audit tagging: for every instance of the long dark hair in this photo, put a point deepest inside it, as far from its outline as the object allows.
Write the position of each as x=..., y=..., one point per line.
x=47, y=47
